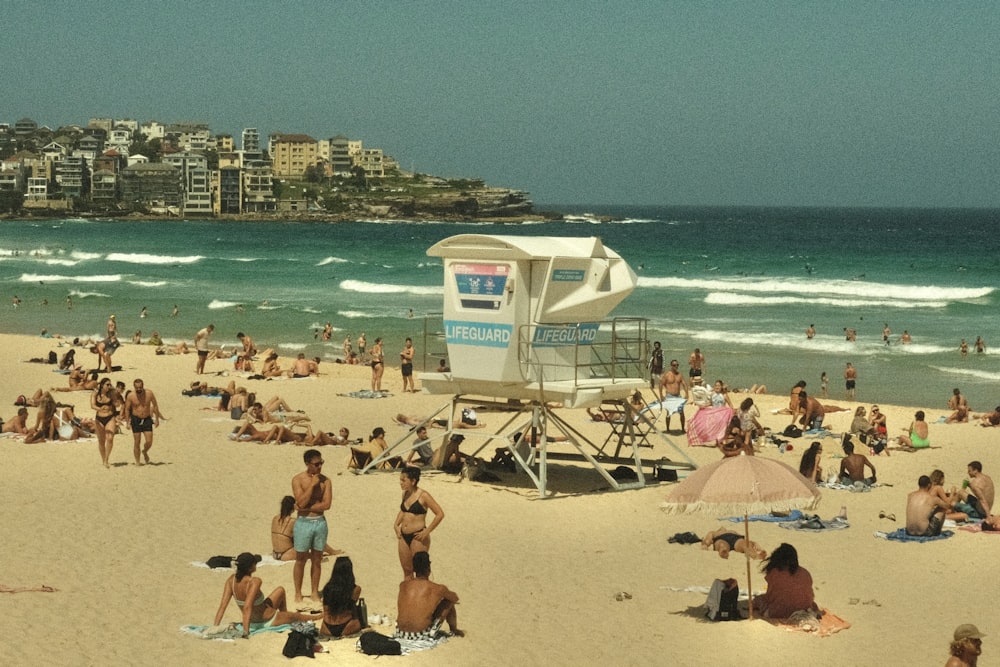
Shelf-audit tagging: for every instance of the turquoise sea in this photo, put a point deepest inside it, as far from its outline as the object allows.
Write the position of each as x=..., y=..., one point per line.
x=741, y=284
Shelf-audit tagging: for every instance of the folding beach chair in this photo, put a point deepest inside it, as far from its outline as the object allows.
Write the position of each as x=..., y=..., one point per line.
x=627, y=425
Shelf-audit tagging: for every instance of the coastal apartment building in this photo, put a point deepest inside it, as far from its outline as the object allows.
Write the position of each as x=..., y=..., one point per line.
x=292, y=154
x=152, y=183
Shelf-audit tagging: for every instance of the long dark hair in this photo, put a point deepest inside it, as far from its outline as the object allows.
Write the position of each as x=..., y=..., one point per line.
x=338, y=592
x=785, y=557
x=807, y=465
x=287, y=505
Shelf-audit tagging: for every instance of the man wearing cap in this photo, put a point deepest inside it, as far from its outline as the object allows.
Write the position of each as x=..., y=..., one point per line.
x=967, y=646
x=423, y=605
x=313, y=495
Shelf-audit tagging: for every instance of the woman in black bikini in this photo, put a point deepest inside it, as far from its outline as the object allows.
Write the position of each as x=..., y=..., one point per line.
x=412, y=532
x=378, y=365
x=340, y=597
x=255, y=608
x=105, y=401
x=725, y=540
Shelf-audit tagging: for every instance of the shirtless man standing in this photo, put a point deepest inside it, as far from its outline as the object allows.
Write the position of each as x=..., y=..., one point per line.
x=978, y=504
x=850, y=380
x=697, y=363
x=852, y=467
x=423, y=605
x=201, y=345
x=142, y=412
x=313, y=495
x=671, y=385
x=924, y=511
x=406, y=365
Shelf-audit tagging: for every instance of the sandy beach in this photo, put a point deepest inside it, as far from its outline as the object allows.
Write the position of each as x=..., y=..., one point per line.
x=537, y=578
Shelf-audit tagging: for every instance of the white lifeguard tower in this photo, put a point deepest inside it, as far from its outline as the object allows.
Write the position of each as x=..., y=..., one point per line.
x=524, y=320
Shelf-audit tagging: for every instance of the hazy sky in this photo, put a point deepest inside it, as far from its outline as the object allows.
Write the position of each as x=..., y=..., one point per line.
x=578, y=101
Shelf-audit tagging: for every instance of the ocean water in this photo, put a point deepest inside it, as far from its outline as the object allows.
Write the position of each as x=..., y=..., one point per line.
x=740, y=284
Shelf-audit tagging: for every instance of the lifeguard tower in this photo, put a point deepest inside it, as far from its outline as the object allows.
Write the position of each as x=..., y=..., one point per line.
x=524, y=320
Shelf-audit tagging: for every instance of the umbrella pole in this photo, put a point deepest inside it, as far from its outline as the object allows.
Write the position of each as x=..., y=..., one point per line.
x=746, y=536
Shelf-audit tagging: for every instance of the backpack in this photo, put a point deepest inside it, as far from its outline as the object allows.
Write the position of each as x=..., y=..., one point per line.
x=373, y=643
x=469, y=416
x=721, y=602
x=220, y=562
x=792, y=431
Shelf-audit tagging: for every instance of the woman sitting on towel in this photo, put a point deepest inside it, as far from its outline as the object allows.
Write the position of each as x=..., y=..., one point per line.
x=245, y=589
x=412, y=532
x=789, y=586
x=736, y=441
x=725, y=540
x=809, y=465
x=340, y=598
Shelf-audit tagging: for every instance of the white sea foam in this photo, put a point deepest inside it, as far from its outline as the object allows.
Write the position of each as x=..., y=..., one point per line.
x=76, y=294
x=385, y=288
x=811, y=288
x=735, y=299
x=81, y=255
x=331, y=260
x=60, y=262
x=143, y=258
x=354, y=314
x=216, y=304
x=969, y=372
x=57, y=278
x=147, y=283
x=311, y=310
x=292, y=346
x=822, y=344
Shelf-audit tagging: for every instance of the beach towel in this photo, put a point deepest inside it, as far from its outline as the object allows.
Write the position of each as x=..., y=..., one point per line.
x=794, y=515
x=900, y=535
x=708, y=426
x=672, y=405
x=231, y=631
x=828, y=624
x=857, y=487
x=366, y=393
x=814, y=524
x=818, y=433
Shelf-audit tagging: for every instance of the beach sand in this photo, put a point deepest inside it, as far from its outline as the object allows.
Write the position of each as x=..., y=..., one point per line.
x=537, y=578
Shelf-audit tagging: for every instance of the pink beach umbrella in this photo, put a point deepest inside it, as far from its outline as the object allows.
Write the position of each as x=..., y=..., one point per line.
x=743, y=485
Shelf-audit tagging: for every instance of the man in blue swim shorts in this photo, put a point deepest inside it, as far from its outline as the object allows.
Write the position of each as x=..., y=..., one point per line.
x=313, y=495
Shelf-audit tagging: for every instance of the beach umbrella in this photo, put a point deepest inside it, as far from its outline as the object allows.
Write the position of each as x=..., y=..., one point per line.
x=743, y=485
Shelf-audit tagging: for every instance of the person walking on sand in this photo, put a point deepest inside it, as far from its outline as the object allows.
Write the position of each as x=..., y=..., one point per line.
x=201, y=345
x=406, y=365
x=142, y=412
x=966, y=647
x=671, y=385
x=313, y=495
x=850, y=380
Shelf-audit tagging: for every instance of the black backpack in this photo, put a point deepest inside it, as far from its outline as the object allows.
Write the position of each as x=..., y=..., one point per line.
x=373, y=643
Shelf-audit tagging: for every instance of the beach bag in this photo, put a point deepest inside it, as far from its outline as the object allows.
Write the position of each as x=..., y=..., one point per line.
x=662, y=472
x=220, y=562
x=722, y=599
x=361, y=612
x=298, y=643
x=469, y=416
x=373, y=643
x=792, y=431
x=53, y=358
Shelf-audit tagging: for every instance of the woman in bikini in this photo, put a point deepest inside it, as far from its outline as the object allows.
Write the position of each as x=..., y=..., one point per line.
x=245, y=589
x=282, y=527
x=412, y=532
x=378, y=365
x=736, y=441
x=105, y=402
x=340, y=598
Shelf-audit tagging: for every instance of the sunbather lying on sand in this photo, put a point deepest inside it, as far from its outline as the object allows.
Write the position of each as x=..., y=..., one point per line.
x=725, y=540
